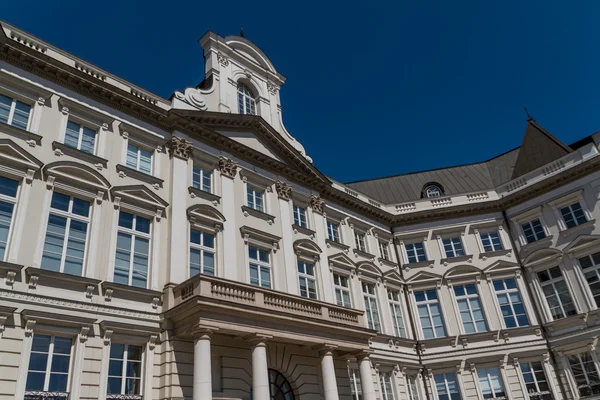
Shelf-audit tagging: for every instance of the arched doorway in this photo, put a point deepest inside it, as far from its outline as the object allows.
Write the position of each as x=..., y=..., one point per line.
x=279, y=387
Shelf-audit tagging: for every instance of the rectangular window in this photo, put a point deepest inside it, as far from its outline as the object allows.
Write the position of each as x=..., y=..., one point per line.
x=591, y=269
x=415, y=252
x=573, y=215
x=384, y=250
x=490, y=383
x=14, y=112
x=307, y=280
x=260, y=267
x=300, y=216
x=202, y=179
x=124, y=369
x=65, y=244
x=446, y=386
x=453, y=247
x=533, y=231
x=333, y=231
x=49, y=364
x=255, y=198
x=202, y=253
x=396, y=312
x=8, y=199
x=535, y=380
x=360, y=241
x=557, y=293
x=342, y=290
x=139, y=159
x=385, y=382
x=585, y=373
x=430, y=314
x=411, y=383
x=491, y=241
x=469, y=307
x=511, y=305
x=133, y=250
x=371, y=306
x=80, y=137
x=355, y=386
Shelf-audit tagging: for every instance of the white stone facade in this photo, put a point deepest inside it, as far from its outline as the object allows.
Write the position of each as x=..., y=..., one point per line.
x=176, y=249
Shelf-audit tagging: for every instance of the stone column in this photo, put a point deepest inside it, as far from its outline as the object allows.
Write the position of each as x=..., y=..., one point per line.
x=260, y=371
x=328, y=372
x=366, y=377
x=228, y=171
x=202, y=384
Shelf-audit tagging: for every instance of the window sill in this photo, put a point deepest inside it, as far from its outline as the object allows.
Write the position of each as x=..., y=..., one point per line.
x=109, y=289
x=448, y=260
x=98, y=162
x=140, y=176
x=589, y=224
x=389, y=263
x=306, y=231
x=259, y=214
x=538, y=243
x=495, y=253
x=333, y=243
x=195, y=192
x=426, y=263
x=12, y=272
x=577, y=321
x=364, y=254
x=76, y=282
x=32, y=139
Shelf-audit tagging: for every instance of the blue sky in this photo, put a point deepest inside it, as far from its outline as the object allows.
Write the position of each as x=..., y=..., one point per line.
x=374, y=88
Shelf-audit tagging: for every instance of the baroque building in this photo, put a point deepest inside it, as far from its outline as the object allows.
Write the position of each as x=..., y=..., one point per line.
x=188, y=248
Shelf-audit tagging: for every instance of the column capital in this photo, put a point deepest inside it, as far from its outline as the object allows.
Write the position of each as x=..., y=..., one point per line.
x=325, y=349
x=363, y=355
x=203, y=331
x=258, y=339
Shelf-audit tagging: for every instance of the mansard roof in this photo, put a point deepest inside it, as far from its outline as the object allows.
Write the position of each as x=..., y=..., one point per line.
x=539, y=147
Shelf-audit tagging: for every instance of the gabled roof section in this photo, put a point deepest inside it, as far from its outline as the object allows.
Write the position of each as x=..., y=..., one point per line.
x=539, y=147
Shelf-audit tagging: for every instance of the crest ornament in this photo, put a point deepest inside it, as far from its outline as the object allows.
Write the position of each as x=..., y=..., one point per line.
x=317, y=204
x=227, y=167
x=180, y=148
x=284, y=191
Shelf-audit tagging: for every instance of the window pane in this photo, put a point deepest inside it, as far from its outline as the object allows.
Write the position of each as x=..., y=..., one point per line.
x=5, y=105
x=132, y=156
x=88, y=140
x=21, y=115
x=72, y=134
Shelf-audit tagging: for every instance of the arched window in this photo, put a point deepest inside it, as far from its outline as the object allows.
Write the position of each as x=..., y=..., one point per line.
x=246, y=101
x=432, y=190
x=279, y=387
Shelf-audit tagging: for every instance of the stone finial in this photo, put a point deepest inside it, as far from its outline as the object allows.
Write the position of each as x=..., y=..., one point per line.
x=227, y=167
x=284, y=191
x=317, y=204
x=180, y=148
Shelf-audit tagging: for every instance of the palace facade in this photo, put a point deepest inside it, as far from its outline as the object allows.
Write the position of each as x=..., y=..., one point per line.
x=188, y=248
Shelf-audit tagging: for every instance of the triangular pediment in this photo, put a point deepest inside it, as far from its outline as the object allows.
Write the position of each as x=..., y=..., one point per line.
x=77, y=174
x=582, y=242
x=138, y=195
x=341, y=260
x=462, y=272
x=393, y=276
x=423, y=278
x=251, y=140
x=17, y=157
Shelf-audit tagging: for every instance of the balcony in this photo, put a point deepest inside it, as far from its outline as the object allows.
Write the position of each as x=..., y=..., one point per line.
x=254, y=308
x=589, y=390
x=42, y=395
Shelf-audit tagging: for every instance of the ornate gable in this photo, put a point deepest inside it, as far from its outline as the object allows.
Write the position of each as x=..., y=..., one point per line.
x=342, y=260
x=17, y=161
x=582, y=243
x=139, y=198
x=501, y=266
x=424, y=278
x=542, y=256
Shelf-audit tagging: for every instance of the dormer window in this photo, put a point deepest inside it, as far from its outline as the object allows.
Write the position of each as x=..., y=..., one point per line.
x=431, y=190
x=246, y=101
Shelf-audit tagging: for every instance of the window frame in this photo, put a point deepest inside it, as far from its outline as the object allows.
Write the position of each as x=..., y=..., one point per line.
x=582, y=365
x=467, y=297
x=13, y=105
x=82, y=124
x=203, y=170
x=446, y=386
x=338, y=287
x=123, y=375
x=135, y=234
x=528, y=217
x=260, y=264
x=491, y=246
x=355, y=383
x=534, y=378
x=11, y=224
x=568, y=200
x=202, y=249
x=70, y=216
x=507, y=292
x=385, y=394
x=384, y=250
x=593, y=268
x=412, y=386
x=300, y=213
x=49, y=361
x=454, y=247
x=245, y=93
x=140, y=146
x=256, y=189
x=489, y=378
x=370, y=311
x=405, y=251
x=571, y=211
x=427, y=302
x=393, y=304
x=552, y=282
x=307, y=277
x=360, y=241
x=333, y=234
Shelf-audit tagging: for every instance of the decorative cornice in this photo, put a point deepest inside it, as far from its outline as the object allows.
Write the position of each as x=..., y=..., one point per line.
x=179, y=147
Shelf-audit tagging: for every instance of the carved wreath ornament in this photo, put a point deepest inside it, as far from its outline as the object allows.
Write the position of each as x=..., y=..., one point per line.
x=179, y=147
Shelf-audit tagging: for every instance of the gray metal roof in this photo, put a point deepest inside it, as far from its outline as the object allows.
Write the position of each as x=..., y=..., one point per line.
x=539, y=147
